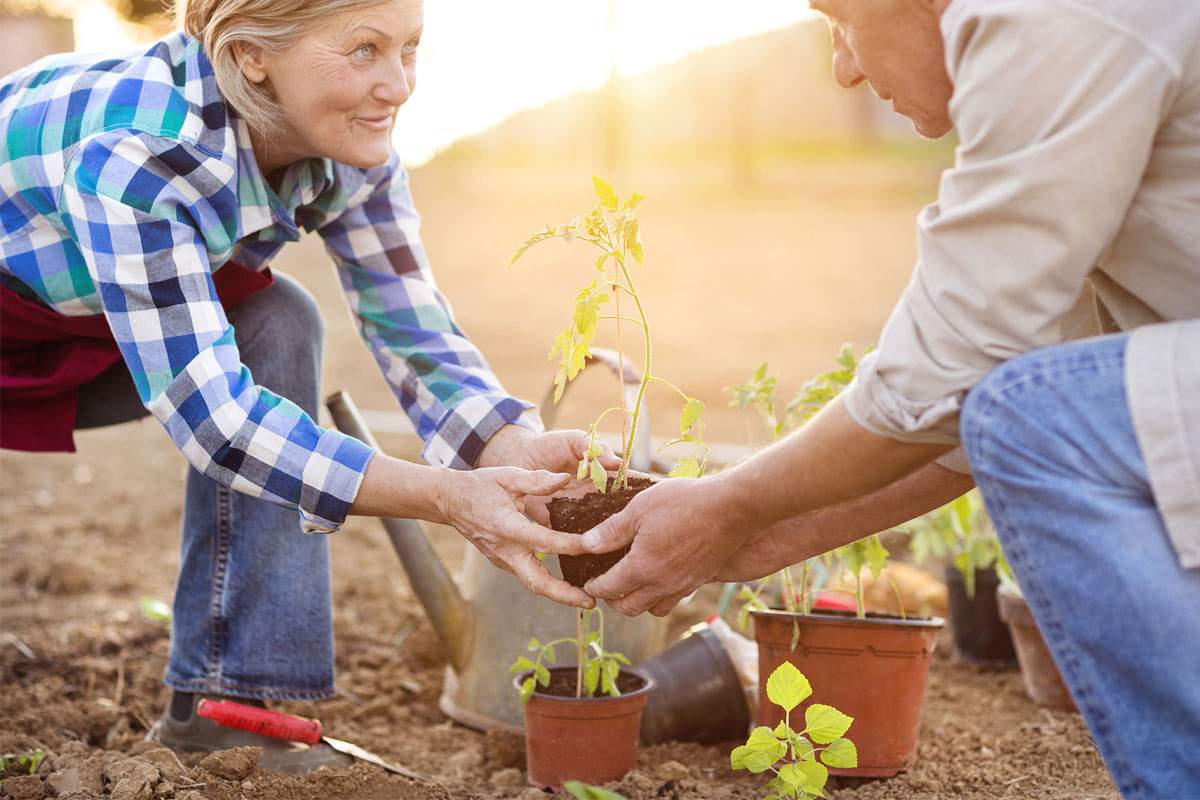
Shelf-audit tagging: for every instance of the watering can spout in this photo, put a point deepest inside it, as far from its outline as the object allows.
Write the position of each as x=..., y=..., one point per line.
x=435, y=589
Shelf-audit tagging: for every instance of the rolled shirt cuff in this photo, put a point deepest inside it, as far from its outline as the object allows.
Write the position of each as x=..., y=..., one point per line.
x=882, y=411
x=332, y=478
x=465, y=429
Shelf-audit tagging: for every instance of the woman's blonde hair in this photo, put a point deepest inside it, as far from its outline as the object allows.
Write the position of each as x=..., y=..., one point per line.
x=271, y=25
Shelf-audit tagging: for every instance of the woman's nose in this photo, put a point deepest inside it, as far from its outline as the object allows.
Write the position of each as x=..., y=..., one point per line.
x=397, y=86
x=845, y=66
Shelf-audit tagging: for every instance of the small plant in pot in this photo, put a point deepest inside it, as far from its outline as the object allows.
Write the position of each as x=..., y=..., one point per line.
x=873, y=666
x=962, y=532
x=569, y=712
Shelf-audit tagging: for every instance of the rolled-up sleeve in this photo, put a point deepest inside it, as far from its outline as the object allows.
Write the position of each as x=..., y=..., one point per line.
x=454, y=400
x=1057, y=114
x=137, y=207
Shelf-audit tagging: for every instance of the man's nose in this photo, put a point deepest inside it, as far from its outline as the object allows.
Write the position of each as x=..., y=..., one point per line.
x=845, y=66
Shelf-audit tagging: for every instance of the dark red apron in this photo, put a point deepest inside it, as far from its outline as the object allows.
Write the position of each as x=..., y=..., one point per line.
x=46, y=356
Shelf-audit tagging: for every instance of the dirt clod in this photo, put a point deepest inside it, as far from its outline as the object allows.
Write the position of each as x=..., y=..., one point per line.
x=581, y=514
x=672, y=771
x=233, y=764
x=506, y=777
x=24, y=787
x=168, y=764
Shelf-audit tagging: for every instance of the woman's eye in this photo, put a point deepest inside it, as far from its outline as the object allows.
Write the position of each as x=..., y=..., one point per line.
x=410, y=48
x=365, y=51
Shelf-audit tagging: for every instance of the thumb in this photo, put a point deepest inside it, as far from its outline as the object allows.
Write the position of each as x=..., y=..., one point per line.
x=539, y=482
x=611, y=534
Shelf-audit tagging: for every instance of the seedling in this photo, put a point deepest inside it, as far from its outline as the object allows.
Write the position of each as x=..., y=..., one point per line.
x=759, y=392
x=798, y=759
x=597, y=668
x=962, y=530
x=585, y=791
x=25, y=763
x=613, y=228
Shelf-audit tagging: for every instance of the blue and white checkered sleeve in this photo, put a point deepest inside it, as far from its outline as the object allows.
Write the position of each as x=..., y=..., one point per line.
x=441, y=379
x=137, y=206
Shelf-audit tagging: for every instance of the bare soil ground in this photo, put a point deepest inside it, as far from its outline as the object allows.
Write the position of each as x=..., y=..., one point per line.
x=785, y=270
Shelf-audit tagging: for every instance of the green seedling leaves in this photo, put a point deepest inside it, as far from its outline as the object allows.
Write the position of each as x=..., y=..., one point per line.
x=840, y=753
x=813, y=776
x=759, y=753
x=155, y=609
x=692, y=410
x=787, y=687
x=591, y=676
x=585, y=791
x=599, y=477
x=634, y=201
x=686, y=468
x=605, y=193
x=825, y=723
x=527, y=689
x=522, y=664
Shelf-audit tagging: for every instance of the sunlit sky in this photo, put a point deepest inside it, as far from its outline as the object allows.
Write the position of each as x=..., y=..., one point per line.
x=483, y=60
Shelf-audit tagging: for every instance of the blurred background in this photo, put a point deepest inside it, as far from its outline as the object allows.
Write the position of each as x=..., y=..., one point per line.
x=781, y=207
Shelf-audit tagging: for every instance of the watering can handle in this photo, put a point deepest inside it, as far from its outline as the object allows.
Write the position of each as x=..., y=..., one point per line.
x=431, y=582
x=642, y=457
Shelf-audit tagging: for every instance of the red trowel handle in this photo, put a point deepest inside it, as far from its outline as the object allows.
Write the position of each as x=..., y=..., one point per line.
x=261, y=721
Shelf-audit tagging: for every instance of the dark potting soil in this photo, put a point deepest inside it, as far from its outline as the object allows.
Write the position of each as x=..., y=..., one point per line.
x=562, y=683
x=580, y=515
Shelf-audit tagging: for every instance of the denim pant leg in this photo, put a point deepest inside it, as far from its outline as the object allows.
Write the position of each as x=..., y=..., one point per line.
x=1052, y=446
x=253, y=614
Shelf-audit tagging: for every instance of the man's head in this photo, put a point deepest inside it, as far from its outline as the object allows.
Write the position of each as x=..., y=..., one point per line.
x=896, y=46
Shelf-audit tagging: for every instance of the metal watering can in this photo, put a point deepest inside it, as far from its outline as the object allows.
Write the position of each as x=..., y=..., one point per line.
x=486, y=619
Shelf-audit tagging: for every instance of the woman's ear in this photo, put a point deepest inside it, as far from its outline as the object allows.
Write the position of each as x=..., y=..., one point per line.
x=250, y=61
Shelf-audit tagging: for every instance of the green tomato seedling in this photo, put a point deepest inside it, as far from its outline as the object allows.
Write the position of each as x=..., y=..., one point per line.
x=585, y=791
x=597, y=668
x=613, y=228
x=962, y=530
x=799, y=760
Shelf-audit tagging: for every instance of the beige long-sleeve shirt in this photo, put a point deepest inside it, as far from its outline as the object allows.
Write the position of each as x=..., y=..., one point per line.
x=1078, y=174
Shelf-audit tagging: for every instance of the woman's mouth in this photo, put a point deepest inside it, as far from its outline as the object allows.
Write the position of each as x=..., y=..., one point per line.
x=381, y=122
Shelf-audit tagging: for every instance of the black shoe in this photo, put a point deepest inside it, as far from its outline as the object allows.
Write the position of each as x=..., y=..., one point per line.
x=185, y=731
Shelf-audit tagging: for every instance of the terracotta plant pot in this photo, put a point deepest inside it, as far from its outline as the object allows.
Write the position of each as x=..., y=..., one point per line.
x=589, y=739
x=1043, y=681
x=980, y=636
x=873, y=669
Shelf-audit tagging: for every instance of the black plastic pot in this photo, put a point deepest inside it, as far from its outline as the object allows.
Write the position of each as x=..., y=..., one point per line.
x=980, y=636
x=697, y=695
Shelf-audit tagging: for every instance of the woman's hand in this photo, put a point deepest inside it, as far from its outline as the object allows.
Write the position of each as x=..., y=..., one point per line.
x=487, y=507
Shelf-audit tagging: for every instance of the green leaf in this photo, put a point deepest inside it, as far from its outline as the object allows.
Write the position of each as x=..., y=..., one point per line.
x=840, y=753
x=634, y=200
x=549, y=656
x=685, y=468
x=781, y=731
x=534, y=644
x=542, y=674
x=692, y=410
x=605, y=193
x=602, y=260
x=522, y=664
x=527, y=689
x=791, y=775
x=639, y=255
x=787, y=687
x=825, y=723
x=582, y=472
x=876, y=555
x=155, y=609
x=747, y=758
x=585, y=791
x=599, y=477
x=815, y=776
x=620, y=658
x=802, y=746
x=591, y=676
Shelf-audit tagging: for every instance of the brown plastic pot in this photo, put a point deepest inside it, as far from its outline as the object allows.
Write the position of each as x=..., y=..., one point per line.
x=873, y=669
x=697, y=697
x=589, y=739
x=1043, y=681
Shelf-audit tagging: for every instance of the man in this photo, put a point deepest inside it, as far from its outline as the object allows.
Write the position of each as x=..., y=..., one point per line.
x=1076, y=189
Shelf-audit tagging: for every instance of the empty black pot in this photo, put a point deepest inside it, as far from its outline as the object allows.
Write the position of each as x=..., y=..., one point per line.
x=980, y=636
x=697, y=695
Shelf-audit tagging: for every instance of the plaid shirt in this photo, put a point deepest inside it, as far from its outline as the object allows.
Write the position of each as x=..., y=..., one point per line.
x=126, y=182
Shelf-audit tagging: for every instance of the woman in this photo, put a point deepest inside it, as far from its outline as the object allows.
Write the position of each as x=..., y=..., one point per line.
x=141, y=199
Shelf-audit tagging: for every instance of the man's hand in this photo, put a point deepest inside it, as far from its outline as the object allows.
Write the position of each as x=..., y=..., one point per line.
x=486, y=505
x=662, y=567
x=556, y=451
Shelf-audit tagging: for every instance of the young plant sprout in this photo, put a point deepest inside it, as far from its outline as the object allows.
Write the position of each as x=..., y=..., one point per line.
x=612, y=227
x=760, y=392
x=962, y=530
x=597, y=668
x=800, y=759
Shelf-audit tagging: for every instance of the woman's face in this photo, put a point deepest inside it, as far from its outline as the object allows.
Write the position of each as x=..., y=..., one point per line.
x=341, y=84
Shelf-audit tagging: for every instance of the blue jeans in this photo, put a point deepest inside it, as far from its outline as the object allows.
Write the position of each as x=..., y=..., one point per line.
x=1050, y=440
x=253, y=609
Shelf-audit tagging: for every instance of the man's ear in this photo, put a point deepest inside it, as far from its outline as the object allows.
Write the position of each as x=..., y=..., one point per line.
x=250, y=61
